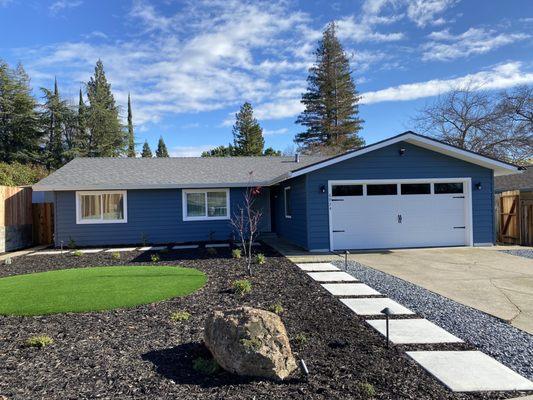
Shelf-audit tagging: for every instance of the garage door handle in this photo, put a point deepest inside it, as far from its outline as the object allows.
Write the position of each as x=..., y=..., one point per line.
x=458, y=197
x=334, y=231
x=337, y=199
x=399, y=219
x=459, y=227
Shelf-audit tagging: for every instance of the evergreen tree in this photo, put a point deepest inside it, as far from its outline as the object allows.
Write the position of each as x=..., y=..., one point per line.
x=147, y=152
x=247, y=134
x=19, y=121
x=331, y=101
x=58, y=126
x=131, y=136
x=161, y=149
x=80, y=143
x=107, y=138
x=220, y=151
x=271, y=152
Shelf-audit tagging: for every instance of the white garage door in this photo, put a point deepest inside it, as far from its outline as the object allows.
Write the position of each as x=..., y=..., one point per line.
x=395, y=214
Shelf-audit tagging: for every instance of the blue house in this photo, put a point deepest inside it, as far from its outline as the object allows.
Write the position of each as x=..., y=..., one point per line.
x=405, y=191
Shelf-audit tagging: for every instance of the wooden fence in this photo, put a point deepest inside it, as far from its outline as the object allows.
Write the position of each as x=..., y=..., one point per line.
x=43, y=223
x=515, y=218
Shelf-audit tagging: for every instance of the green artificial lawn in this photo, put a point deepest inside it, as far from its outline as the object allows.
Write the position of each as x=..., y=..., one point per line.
x=94, y=289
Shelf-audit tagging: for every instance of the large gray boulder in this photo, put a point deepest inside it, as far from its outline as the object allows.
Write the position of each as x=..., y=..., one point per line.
x=251, y=342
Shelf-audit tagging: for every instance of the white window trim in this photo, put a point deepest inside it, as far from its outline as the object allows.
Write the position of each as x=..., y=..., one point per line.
x=285, y=202
x=79, y=220
x=204, y=217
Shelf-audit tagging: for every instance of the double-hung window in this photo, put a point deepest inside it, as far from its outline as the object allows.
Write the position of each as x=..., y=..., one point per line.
x=101, y=207
x=288, y=202
x=205, y=204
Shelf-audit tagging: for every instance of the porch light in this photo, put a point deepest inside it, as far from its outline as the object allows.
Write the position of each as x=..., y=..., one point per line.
x=401, y=151
x=387, y=311
x=479, y=186
x=322, y=188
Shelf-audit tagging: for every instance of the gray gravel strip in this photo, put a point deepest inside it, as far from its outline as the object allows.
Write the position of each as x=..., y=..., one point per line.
x=507, y=344
x=527, y=253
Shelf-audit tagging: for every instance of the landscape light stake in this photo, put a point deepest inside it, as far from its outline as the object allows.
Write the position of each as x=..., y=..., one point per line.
x=387, y=312
x=346, y=252
x=61, y=247
x=303, y=368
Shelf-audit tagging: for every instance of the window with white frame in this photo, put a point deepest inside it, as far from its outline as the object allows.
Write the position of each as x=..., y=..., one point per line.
x=205, y=204
x=288, y=205
x=101, y=207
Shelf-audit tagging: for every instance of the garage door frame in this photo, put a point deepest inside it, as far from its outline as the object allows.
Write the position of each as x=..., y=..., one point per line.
x=467, y=188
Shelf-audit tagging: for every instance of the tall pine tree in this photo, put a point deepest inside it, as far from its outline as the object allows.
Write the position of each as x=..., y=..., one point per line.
x=161, y=148
x=147, y=152
x=19, y=122
x=131, y=135
x=107, y=137
x=331, y=101
x=247, y=134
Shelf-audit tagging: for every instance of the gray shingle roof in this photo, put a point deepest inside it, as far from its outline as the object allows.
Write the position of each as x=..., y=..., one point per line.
x=130, y=173
x=523, y=181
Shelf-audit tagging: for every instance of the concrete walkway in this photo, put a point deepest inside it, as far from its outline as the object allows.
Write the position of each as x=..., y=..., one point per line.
x=483, y=278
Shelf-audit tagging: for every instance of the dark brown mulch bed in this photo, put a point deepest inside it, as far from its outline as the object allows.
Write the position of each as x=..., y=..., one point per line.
x=140, y=353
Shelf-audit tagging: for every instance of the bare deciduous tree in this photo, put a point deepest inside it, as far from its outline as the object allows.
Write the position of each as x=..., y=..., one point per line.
x=498, y=125
x=245, y=221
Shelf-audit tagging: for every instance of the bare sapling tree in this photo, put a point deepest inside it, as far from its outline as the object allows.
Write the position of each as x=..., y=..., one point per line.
x=245, y=221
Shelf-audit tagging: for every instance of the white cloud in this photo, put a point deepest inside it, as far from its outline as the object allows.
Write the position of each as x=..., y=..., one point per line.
x=446, y=46
x=279, y=109
x=64, y=4
x=275, y=132
x=350, y=29
x=190, y=151
x=423, y=12
x=499, y=77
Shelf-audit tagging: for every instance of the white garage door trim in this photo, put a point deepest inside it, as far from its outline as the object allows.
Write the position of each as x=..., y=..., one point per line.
x=467, y=188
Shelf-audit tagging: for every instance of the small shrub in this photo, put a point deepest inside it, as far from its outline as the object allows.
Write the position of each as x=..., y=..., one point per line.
x=366, y=389
x=115, y=255
x=77, y=253
x=276, y=308
x=211, y=251
x=301, y=339
x=71, y=243
x=180, y=315
x=155, y=258
x=236, y=253
x=242, y=286
x=39, y=341
x=260, y=259
x=205, y=366
x=251, y=344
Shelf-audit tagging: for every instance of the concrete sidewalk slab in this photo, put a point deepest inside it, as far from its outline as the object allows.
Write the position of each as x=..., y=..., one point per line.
x=90, y=251
x=152, y=248
x=350, y=289
x=51, y=252
x=331, y=276
x=318, y=267
x=374, y=306
x=216, y=245
x=121, y=249
x=413, y=331
x=185, y=247
x=470, y=371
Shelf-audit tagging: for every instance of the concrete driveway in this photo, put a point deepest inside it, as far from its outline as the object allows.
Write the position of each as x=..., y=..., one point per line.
x=496, y=283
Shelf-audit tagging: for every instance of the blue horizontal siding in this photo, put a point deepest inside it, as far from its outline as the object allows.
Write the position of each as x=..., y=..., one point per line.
x=155, y=215
x=386, y=163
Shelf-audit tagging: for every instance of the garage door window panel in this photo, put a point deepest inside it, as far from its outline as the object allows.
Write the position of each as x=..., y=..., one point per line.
x=347, y=190
x=382, y=190
x=415, y=188
x=448, y=188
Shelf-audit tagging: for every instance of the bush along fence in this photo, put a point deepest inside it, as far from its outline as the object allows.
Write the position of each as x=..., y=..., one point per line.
x=22, y=223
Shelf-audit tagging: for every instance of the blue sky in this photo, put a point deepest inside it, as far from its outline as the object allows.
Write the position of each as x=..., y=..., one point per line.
x=190, y=64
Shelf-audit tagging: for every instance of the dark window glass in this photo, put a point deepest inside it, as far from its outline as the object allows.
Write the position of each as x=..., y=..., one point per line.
x=347, y=190
x=382, y=190
x=416, y=188
x=288, y=206
x=441, y=188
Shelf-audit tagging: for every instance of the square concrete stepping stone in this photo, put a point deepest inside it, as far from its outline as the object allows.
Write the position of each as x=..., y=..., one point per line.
x=47, y=253
x=413, y=331
x=374, y=306
x=120, y=249
x=350, y=289
x=470, y=371
x=216, y=245
x=318, y=267
x=185, y=246
x=331, y=276
x=154, y=248
x=90, y=251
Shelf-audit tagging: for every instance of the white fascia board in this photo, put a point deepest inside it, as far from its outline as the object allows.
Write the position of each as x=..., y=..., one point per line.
x=62, y=188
